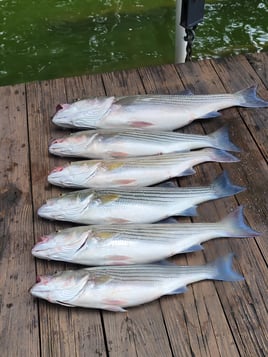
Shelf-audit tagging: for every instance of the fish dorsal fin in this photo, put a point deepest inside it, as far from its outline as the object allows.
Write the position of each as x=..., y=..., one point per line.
x=186, y=92
x=193, y=248
x=188, y=172
x=168, y=220
x=189, y=212
x=210, y=115
x=164, y=262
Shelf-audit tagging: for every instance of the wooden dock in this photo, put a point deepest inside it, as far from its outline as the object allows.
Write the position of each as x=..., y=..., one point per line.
x=212, y=318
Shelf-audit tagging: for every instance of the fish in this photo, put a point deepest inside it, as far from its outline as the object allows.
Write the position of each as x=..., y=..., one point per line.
x=133, y=204
x=114, y=288
x=105, y=144
x=133, y=172
x=150, y=111
x=136, y=243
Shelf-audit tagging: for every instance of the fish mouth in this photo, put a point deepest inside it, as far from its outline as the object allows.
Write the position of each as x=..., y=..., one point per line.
x=46, y=211
x=58, y=107
x=58, y=175
x=55, y=142
x=56, y=170
x=56, y=293
x=40, y=252
x=44, y=249
x=38, y=289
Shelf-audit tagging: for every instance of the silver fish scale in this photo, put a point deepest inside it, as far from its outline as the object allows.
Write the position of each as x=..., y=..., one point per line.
x=150, y=272
x=165, y=159
x=148, y=232
x=129, y=196
x=175, y=99
x=154, y=194
x=161, y=136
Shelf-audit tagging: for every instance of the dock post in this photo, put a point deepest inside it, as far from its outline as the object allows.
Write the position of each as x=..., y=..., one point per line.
x=180, y=44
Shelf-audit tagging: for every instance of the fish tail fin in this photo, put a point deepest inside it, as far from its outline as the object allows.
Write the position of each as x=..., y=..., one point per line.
x=220, y=139
x=219, y=155
x=223, y=187
x=235, y=225
x=222, y=269
x=248, y=98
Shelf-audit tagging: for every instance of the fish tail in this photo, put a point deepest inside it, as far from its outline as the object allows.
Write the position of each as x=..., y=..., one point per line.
x=235, y=225
x=223, y=187
x=248, y=98
x=220, y=155
x=220, y=139
x=222, y=269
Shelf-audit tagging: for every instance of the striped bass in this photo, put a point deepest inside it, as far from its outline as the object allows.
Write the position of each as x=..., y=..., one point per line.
x=136, y=243
x=153, y=111
x=133, y=172
x=115, y=287
x=133, y=205
x=98, y=144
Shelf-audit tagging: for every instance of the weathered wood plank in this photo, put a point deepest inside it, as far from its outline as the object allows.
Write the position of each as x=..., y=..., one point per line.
x=64, y=331
x=19, y=333
x=259, y=61
x=250, y=172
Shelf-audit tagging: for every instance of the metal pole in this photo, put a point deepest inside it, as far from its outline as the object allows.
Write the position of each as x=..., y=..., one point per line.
x=180, y=44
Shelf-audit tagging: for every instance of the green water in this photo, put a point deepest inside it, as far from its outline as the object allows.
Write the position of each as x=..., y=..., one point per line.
x=46, y=39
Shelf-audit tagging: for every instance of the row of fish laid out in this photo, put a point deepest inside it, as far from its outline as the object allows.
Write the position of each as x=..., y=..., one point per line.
x=122, y=235
x=150, y=111
x=116, y=287
x=133, y=172
x=136, y=243
x=134, y=204
x=111, y=143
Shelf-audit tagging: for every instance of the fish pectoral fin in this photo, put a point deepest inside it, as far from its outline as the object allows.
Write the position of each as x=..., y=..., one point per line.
x=189, y=212
x=193, y=248
x=113, y=305
x=64, y=303
x=180, y=290
x=114, y=308
x=210, y=115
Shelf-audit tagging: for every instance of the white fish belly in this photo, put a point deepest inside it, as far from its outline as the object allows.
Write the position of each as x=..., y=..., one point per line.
x=133, y=177
x=125, y=294
x=135, y=212
x=133, y=148
x=164, y=118
x=130, y=251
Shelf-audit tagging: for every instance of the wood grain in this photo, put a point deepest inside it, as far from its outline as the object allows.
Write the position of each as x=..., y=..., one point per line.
x=19, y=333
